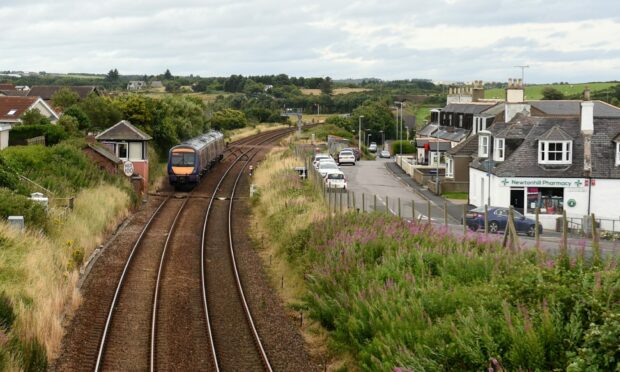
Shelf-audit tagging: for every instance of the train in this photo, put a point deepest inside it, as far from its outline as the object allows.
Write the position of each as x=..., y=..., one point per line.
x=190, y=160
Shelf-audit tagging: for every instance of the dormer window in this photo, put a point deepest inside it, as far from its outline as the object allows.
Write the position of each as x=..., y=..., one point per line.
x=483, y=145
x=555, y=152
x=11, y=112
x=499, y=149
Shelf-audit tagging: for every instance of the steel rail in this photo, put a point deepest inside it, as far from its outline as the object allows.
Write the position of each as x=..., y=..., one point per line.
x=203, y=249
x=102, y=343
x=157, y=283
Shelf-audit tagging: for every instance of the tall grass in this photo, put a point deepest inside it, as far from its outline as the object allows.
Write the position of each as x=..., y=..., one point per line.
x=241, y=133
x=402, y=295
x=38, y=272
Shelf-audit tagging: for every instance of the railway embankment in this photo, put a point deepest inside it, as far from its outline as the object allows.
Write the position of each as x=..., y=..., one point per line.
x=40, y=266
x=380, y=293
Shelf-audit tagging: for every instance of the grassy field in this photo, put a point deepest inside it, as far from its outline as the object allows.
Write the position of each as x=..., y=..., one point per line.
x=206, y=97
x=385, y=294
x=535, y=91
x=456, y=195
x=306, y=118
x=237, y=134
x=337, y=91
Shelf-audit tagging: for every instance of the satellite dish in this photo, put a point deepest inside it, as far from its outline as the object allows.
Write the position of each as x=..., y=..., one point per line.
x=128, y=168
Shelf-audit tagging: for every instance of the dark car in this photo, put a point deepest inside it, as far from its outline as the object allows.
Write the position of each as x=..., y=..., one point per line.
x=498, y=218
x=356, y=151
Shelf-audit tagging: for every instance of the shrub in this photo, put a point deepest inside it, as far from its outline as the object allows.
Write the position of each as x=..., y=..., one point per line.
x=12, y=204
x=7, y=314
x=76, y=112
x=408, y=147
x=52, y=133
x=30, y=353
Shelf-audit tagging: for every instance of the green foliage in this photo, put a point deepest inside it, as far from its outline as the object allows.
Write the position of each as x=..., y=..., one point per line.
x=377, y=117
x=12, y=204
x=53, y=134
x=64, y=98
x=549, y=93
x=322, y=131
x=76, y=112
x=101, y=111
x=112, y=75
x=172, y=86
x=30, y=354
x=327, y=86
x=69, y=123
x=9, y=178
x=7, y=314
x=34, y=117
x=228, y=119
x=168, y=75
x=407, y=147
x=341, y=122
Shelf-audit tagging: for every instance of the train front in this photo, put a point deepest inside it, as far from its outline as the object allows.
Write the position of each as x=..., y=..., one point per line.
x=182, y=166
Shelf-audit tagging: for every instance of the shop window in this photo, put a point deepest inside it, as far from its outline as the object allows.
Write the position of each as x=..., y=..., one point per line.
x=555, y=152
x=550, y=200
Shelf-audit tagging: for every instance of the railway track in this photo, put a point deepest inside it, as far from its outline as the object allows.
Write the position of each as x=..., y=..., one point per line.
x=158, y=293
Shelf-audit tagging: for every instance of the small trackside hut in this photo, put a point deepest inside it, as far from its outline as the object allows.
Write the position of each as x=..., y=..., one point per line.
x=130, y=145
x=190, y=160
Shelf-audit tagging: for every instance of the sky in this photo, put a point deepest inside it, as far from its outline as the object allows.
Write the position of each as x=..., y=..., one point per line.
x=447, y=40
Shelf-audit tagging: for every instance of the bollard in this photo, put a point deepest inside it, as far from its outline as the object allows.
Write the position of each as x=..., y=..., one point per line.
x=428, y=210
x=375, y=203
x=413, y=209
x=399, y=215
x=445, y=213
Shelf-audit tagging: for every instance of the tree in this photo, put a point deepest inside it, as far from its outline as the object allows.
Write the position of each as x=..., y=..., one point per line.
x=228, y=119
x=327, y=86
x=112, y=75
x=550, y=93
x=34, y=117
x=101, y=111
x=69, y=123
x=168, y=75
x=172, y=86
x=76, y=112
x=377, y=117
x=65, y=97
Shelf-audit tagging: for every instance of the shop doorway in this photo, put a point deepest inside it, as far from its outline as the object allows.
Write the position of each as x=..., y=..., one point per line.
x=517, y=199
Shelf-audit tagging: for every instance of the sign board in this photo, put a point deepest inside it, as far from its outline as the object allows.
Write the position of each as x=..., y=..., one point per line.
x=128, y=168
x=571, y=203
x=542, y=182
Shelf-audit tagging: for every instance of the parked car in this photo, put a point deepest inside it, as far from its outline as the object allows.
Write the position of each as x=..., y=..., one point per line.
x=498, y=219
x=319, y=157
x=325, y=167
x=347, y=157
x=372, y=147
x=384, y=154
x=336, y=180
x=356, y=151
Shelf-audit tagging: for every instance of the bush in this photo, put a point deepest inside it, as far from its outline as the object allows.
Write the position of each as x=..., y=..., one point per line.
x=12, y=204
x=30, y=354
x=408, y=147
x=53, y=134
x=7, y=315
x=76, y=112
x=228, y=119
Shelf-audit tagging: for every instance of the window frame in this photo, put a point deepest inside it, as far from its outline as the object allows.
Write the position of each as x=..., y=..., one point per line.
x=566, y=152
x=483, y=150
x=449, y=167
x=500, y=146
x=117, y=146
x=617, y=153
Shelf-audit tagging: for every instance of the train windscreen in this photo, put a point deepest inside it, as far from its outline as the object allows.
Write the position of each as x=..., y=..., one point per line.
x=183, y=159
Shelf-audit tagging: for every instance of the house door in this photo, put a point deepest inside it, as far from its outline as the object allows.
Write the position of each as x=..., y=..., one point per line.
x=517, y=199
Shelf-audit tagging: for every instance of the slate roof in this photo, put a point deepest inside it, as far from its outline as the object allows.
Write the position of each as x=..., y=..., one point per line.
x=47, y=91
x=428, y=130
x=7, y=86
x=555, y=134
x=123, y=130
x=19, y=104
x=467, y=108
x=13, y=92
x=523, y=161
x=105, y=153
x=573, y=108
x=465, y=148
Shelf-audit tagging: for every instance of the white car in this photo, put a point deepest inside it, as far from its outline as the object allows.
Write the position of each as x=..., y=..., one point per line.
x=336, y=180
x=372, y=147
x=319, y=157
x=325, y=167
x=346, y=157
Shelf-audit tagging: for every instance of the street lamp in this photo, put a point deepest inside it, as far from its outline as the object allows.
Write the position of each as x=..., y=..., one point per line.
x=359, y=134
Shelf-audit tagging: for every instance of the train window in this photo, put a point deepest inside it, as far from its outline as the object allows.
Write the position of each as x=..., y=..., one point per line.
x=182, y=159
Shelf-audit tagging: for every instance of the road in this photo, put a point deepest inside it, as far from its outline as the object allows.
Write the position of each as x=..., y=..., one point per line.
x=372, y=177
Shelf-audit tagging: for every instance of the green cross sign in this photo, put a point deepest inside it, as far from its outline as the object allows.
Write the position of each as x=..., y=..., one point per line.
x=578, y=183
x=505, y=181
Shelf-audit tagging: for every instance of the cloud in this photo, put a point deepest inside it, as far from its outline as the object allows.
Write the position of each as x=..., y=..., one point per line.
x=451, y=39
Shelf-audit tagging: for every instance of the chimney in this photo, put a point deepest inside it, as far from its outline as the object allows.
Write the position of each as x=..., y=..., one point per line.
x=587, y=129
x=514, y=92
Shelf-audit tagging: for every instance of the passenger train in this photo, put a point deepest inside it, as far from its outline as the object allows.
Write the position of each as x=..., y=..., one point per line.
x=190, y=160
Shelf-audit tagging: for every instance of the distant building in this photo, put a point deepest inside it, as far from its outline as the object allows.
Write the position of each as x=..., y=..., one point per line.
x=136, y=85
x=46, y=92
x=155, y=84
x=12, y=108
x=4, y=136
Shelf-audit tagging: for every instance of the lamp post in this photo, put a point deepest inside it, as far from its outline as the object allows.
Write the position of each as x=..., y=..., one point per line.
x=359, y=134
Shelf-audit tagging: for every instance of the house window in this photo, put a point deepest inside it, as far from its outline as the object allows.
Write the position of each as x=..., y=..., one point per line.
x=617, y=153
x=549, y=200
x=449, y=167
x=483, y=148
x=121, y=151
x=555, y=152
x=435, y=156
x=499, y=149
